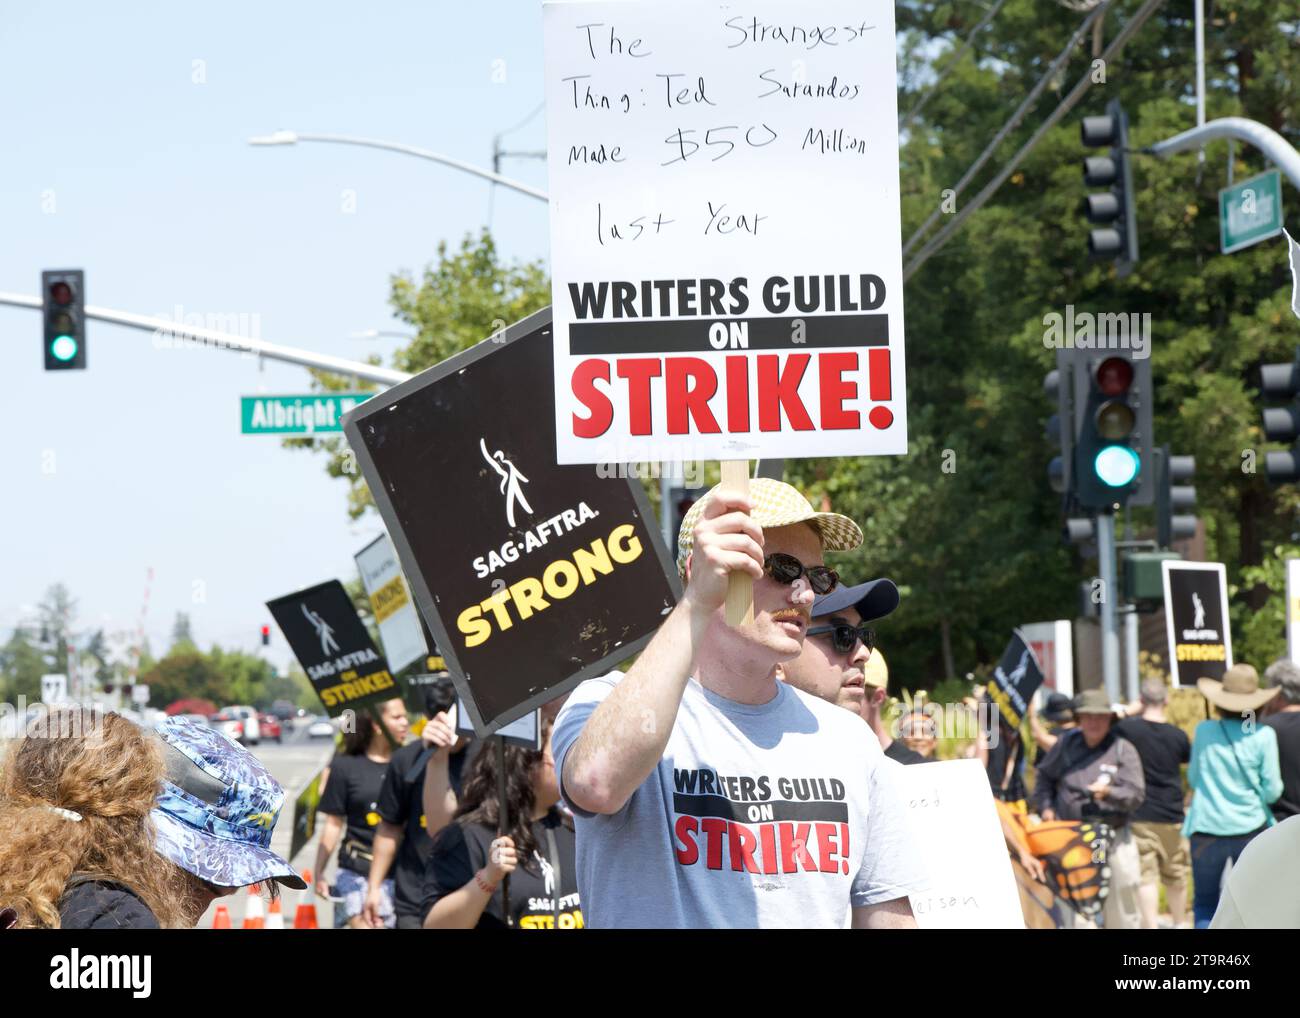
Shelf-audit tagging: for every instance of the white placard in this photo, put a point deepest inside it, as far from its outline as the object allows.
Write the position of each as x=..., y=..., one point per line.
x=954, y=825
x=524, y=731
x=1053, y=645
x=399, y=625
x=725, y=234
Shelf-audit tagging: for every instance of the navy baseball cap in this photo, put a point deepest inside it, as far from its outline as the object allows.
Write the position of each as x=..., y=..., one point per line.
x=874, y=600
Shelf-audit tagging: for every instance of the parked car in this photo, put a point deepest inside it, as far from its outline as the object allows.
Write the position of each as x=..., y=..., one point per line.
x=321, y=728
x=238, y=723
x=271, y=729
x=283, y=710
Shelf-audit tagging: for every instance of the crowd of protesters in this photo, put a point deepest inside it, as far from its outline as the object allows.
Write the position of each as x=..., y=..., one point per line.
x=104, y=824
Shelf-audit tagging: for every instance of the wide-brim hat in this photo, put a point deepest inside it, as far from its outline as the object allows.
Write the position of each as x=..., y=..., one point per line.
x=776, y=504
x=1093, y=701
x=874, y=600
x=1239, y=691
x=217, y=809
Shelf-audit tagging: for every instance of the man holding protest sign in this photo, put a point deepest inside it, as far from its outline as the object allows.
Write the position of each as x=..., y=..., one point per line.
x=766, y=791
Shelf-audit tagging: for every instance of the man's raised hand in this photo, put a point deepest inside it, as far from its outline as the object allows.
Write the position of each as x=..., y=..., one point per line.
x=725, y=540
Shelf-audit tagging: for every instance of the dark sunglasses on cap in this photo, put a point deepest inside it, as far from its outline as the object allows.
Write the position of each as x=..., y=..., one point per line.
x=786, y=569
x=845, y=637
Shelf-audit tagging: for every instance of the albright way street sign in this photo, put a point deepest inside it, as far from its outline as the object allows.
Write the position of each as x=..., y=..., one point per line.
x=1250, y=211
x=312, y=414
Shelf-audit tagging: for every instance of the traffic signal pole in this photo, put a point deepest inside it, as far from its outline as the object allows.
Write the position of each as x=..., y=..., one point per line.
x=228, y=341
x=1109, y=596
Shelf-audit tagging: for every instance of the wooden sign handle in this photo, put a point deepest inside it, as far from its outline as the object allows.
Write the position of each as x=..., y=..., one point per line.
x=740, y=586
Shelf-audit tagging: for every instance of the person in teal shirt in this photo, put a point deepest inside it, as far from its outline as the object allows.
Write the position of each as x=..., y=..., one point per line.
x=1235, y=775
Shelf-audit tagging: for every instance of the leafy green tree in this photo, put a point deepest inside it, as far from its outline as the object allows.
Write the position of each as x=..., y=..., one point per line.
x=977, y=548
x=22, y=663
x=461, y=300
x=182, y=634
x=186, y=674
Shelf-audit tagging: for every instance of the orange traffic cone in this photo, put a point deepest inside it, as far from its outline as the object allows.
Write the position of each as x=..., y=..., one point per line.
x=221, y=920
x=274, y=917
x=304, y=917
x=254, y=911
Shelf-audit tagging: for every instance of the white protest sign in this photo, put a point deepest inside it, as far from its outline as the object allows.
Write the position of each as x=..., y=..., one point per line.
x=725, y=251
x=399, y=626
x=955, y=827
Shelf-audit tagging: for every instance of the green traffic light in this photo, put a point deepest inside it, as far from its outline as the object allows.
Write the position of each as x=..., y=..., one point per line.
x=1117, y=466
x=64, y=348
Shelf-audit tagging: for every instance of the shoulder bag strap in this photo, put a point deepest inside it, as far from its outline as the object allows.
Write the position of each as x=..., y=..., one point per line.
x=1268, y=811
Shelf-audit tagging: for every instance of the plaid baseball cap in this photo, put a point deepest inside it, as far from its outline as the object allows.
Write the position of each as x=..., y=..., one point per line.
x=217, y=808
x=776, y=504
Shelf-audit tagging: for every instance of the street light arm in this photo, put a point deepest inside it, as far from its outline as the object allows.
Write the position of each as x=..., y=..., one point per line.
x=1268, y=141
x=291, y=137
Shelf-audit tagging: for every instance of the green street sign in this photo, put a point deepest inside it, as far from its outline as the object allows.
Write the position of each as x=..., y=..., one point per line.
x=313, y=414
x=1250, y=211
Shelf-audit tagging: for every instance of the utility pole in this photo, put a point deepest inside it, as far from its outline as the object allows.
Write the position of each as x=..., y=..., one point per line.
x=1109, y=594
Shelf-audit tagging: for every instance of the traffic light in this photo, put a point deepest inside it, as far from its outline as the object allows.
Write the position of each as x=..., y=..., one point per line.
x=63, y=301
x=681, y=500
x=1174, y=498
x=1282, y=424
x=1060, y=426
x=1113, y=211
x=1113, y=449
x=266, y=636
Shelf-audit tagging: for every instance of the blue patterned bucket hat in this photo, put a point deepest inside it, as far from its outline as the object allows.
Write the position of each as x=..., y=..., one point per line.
x=218, y=808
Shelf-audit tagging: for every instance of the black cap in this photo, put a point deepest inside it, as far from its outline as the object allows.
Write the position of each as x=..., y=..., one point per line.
x=1058, y=707
x=874, y=600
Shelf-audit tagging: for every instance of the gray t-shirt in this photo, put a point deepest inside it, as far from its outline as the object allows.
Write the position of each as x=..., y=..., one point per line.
x=783, y=814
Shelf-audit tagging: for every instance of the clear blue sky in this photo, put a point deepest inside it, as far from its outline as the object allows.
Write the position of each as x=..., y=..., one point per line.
x=157, y=195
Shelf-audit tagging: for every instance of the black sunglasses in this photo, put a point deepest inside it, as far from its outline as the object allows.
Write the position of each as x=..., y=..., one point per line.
x=845, y=637
x=786, y=569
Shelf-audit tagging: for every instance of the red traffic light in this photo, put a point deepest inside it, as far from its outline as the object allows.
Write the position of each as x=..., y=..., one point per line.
x=61, y=293
x=1114, y=376
x=266, y=636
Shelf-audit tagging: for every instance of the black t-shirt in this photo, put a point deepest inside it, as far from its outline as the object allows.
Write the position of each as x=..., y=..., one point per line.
x=353, y=792
x=1287, y=727
x=898, y=751
x=997, y=768
x=401, y=802
x=1161, y=747
x=460, y=850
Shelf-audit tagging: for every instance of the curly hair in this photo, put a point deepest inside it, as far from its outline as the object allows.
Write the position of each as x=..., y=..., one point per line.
x=108, y=770
x=478, y=799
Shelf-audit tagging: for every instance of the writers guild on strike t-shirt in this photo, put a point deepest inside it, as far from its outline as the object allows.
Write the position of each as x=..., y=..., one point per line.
x=803, y=828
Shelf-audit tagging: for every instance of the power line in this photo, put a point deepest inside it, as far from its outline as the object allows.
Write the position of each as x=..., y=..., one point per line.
x=1011, y=123
x=1066, y=104
x=961, y=52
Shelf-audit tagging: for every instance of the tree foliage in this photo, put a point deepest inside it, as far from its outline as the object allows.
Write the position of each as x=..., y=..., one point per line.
x=966, y=523
x=977, y=548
